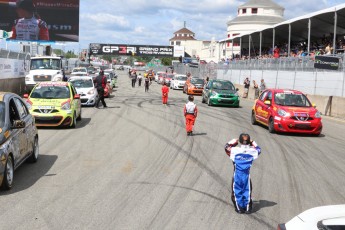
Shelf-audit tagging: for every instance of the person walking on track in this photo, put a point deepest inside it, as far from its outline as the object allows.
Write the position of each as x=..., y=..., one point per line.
x=190, y=113
x=147, y=83
x=100, y=84
x=242, y=157
x=165, y=92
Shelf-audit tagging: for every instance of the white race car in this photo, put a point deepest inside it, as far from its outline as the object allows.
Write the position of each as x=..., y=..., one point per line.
x=178, y=81
x=330, y=217
x=86, y=89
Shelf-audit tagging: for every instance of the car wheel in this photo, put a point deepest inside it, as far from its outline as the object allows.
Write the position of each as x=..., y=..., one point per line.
x=271, y=125
x=209, y=103
x=35, y=152
x=8, y=174
x=253, y=120
x=74, y=122
x=203, y=99
x=79, y=117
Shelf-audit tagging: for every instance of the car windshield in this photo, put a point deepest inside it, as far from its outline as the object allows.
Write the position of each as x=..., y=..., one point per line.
x=82, y=83
x=51, y=92
x=45, y=63
x=197, y=81
x=170, y=75
x=181, y=78
x=79, y=70
x=79, y=74
x=223, y=85
x=291, y=99
x=2, y=114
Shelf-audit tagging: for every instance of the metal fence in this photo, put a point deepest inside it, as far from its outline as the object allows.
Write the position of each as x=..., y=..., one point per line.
x=8, y=54
x=292, y=73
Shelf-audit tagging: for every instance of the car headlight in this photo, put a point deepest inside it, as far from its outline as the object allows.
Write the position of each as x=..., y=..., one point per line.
x=318, y=114
x=91, y=92
x=66, y=105
x=283, y=113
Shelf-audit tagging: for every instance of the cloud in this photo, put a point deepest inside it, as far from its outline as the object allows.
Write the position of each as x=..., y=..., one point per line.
x=154, y=22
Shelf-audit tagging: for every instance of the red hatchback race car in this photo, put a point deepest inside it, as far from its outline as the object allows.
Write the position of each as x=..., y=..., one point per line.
x=286, y=111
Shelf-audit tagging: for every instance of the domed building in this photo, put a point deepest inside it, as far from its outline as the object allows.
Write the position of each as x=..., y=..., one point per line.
x=252, y=16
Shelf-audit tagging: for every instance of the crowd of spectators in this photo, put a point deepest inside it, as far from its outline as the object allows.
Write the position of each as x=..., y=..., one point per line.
x=323, y=46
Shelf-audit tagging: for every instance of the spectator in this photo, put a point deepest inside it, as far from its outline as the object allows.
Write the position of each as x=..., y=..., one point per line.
x=262, y=85
x=256, y=89
x=246, y=87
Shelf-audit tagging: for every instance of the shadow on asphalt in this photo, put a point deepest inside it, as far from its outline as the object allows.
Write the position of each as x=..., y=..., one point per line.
x=199, y=134
x=29, y=173
x=259, y=204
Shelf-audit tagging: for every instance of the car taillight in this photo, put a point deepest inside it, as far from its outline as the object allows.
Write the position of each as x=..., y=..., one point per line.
x=66, y=105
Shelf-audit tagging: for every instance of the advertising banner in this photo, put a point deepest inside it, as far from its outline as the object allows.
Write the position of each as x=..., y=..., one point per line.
x=11, y=68
x=40, y=20
x=137, y=50
x=326, y=62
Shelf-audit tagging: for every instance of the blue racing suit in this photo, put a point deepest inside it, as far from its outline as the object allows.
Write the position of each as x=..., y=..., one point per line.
x=242, y=157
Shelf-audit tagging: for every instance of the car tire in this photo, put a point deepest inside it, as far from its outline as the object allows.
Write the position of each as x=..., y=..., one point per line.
x=209, y=103
x=253, y=119
x=35, y=152
x=271, y=125
x=74, y=122
x=79, y=117
x=7, y=182
x=203, y=99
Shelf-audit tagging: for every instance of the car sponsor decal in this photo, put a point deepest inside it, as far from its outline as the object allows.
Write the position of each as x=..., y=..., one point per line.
x=275, y=108
x=1, y=96
x=277, y=118
x=0, y=130
x=53, y=84
x=262, y=112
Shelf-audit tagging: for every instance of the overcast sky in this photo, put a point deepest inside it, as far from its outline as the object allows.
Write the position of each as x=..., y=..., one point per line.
x=154, y=22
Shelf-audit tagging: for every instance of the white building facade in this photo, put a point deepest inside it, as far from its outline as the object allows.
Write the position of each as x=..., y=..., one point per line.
x=251, y=16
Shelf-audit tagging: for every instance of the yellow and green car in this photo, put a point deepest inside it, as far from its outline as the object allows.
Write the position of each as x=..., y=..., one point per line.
x=220, y=92
x=54, y=104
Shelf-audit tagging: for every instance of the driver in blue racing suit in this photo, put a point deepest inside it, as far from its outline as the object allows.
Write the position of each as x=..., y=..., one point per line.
x=242, y=157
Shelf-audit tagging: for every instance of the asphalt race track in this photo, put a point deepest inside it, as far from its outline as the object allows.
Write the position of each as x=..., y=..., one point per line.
x=132, y=166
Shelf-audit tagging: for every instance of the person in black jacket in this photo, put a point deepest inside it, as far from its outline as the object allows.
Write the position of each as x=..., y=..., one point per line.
x=100, y=84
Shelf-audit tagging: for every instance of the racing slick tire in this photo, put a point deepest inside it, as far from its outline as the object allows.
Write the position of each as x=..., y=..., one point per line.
x=8, y=174
x=271, y=125
x=35, y=152
x=253, y=119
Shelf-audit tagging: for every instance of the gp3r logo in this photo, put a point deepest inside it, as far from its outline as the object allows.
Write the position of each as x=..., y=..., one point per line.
x=119, y=49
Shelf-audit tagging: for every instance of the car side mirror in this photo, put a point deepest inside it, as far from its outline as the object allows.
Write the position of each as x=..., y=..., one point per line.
x=18, y=124
x=314, y=105
x=77, y=96
x=237, y=89
x=267, y=102
x=26, y=95
x=207, y=88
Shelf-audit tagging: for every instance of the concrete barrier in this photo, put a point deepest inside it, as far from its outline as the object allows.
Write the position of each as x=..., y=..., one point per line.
x=327, y=105
x=15, y=85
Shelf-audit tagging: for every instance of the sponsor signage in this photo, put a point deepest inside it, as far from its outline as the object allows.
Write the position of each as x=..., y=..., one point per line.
x=137, y=50
x=52, y=20
x=326, y=62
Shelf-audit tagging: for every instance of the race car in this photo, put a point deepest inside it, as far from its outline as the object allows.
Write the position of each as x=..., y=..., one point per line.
x=220, y=92
x=86, y=89
x=286, y=111
x=54, y=104
x=178, y=81
x=194, y=86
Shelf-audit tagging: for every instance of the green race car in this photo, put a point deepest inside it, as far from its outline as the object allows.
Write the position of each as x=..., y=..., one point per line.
x=55, y=104
x=220, y=92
